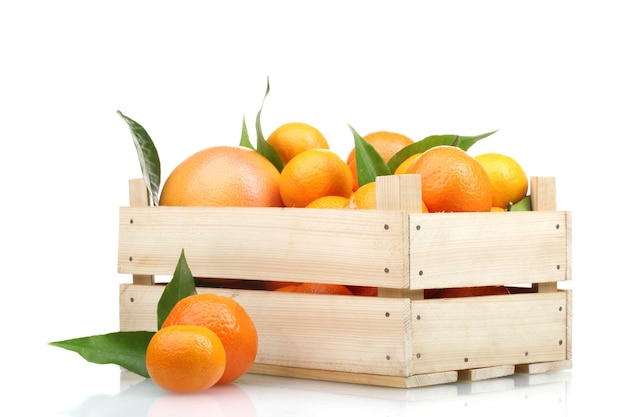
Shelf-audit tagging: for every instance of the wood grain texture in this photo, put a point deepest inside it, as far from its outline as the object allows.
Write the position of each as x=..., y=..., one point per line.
x=543, y=367
x=481, y=374
x=138, y=197
x=353, y=247
x=475, y=249
x=479, y=332
x=352, y=334
x=413, y=381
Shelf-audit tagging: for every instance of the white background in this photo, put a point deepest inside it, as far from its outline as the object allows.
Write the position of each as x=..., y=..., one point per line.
x=549, y=75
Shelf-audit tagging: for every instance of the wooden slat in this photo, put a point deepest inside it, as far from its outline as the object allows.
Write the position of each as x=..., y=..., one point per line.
x=368, y=335
x=399, y=192
x=543, y=193
x=543, y=367
x=478, y=332
x=481, y=374
x=570, y=325
x=353, y=247
x=543, y=198
x=474, y=249
x=138, y=197
x=413, y=381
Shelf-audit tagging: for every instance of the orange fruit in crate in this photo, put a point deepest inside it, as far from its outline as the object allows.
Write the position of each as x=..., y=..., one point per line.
x=293, y=138
x=223, y=176
x=185, y=358
x=508, y=179
x=312, y=174
x=229, y=320
x=364, y=197
x=402, y=168
x=274, y=285
x=363, y=291
x=387, y=144
x=316, y=288
x=452, y=180
x=329, y=201
x=471, y=291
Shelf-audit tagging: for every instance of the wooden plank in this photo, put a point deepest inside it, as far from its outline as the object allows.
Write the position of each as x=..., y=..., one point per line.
x=138, y=197
x=543, y=193
x=353, y=247
x=543, y=198
x=399, y=192
x=543, y=367
x=478, y=332
x=310, y=331
x=569, y=325
x=477, y=249
x=413, y=381
x=480, y=374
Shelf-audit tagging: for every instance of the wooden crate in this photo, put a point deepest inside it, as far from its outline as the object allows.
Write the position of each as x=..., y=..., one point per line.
x=398, y=339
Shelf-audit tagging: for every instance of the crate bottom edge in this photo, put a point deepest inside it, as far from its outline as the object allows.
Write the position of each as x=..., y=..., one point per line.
x=412, y=381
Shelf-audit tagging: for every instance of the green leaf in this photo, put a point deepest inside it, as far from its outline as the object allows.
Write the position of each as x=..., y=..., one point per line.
x=126, y=349
x=369, y=163
x=262, y=146
x=466, y=142
x=181, y=286
x=245, y=138
x=421, y=146
x=148, y=157
x=524, y=204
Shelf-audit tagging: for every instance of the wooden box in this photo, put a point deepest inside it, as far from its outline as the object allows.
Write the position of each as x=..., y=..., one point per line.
x=399, y=338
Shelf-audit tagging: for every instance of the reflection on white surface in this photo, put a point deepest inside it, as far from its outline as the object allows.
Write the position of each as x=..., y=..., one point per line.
x=259, y=395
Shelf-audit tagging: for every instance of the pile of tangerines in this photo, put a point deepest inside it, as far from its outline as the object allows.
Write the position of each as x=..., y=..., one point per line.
x=313, y=176
x=206, y=339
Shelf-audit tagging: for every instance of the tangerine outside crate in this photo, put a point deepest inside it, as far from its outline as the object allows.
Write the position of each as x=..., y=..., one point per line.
x=397, y=339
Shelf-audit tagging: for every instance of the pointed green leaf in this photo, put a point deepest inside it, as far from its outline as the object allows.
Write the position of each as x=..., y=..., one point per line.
x=262, y=146
x=181, y=286
x=148, y=158
x=369, y=163
x=245, y=138
x=421, y=146
x=466, y=142
x=524, y=204
x=126, y=349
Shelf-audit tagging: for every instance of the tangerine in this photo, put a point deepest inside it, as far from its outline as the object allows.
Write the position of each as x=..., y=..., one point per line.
x=329, y=201
x=185, y=358
x=316, y=288
x=229, y=320
x=363, y=291
x=223, y=176
x=290, y=139
x=312, y=174
x=364, y=197
x=508, y=179
x=452, y=180
x=406, y=164
x=456, y=292
x=387, y=144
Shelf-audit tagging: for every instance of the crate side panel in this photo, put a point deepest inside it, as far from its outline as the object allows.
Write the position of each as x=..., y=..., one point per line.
x=476, y=249
x=349, y=247
x=311, y=331
x=477, y=332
